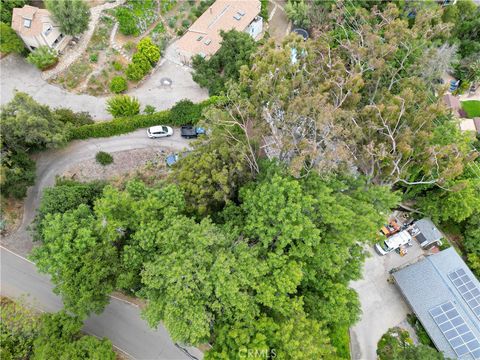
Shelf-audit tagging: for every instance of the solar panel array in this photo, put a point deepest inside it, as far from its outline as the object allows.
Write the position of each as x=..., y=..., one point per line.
x=455, y=330
x=467, y=288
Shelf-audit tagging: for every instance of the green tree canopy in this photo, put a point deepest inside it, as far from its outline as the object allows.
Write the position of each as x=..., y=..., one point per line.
x=9, y=40
x=80, y=255
x=26, y=126
x=235, y=51
x=211, y=174
x=6, y=9
x=72, y=16
x=58, y=338
x=396, y=344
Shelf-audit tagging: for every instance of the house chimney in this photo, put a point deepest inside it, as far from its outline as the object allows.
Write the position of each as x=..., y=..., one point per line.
x=210, y=9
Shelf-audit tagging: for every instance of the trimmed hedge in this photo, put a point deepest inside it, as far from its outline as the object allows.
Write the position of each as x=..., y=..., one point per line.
x=125, y=125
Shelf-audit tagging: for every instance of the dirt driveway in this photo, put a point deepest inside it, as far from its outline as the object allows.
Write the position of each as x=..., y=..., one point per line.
x=382, y=304
x=278, y=23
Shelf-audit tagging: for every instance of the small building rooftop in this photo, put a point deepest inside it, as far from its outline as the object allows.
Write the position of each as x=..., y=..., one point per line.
x=427, y=232
x=445, y=296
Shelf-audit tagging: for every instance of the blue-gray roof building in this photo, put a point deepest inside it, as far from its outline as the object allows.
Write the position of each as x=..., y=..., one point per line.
x=445, y=296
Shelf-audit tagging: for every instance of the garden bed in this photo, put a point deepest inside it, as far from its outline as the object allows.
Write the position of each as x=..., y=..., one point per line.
x=472, y=108
x=76, y=77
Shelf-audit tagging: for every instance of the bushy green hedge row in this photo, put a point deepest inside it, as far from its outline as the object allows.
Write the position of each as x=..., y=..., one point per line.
x=128, y=124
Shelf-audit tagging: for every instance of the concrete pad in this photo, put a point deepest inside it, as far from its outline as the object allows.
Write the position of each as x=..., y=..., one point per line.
x=382, y=304
x=17, y=74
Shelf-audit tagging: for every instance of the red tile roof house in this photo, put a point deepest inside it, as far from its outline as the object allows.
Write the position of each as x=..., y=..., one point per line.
x=36, y=28
x=203, y=37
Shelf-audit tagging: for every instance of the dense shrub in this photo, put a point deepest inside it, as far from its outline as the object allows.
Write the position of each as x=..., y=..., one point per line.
x=94, y=57
x=126, y=22
x=134, y=72
x=68, y=116
x=149, y=50
x=142, y=62
x=118, y=84
x=117, y=66
x=64, y=196
x=184, y=111
x=104, y=158
x=204, y=4
x=123, y=105
x=18, y=173
x=129, y=124
x=9, y=40
x=419, y=329
x=43, y=57
x=6, y=9
x=264, y=10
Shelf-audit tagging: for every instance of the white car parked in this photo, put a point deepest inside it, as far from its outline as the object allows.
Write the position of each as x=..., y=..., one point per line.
x=159, y=131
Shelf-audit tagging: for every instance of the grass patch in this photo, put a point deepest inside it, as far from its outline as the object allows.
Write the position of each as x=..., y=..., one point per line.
x=471, y=107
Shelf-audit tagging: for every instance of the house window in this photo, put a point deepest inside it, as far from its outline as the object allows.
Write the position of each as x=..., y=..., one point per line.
x=27, y=23
x=57, y=40
x=48, y=31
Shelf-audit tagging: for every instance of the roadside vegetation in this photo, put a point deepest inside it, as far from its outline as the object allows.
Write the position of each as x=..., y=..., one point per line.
x=25, y=334
x=27, y=127
x=9, y=40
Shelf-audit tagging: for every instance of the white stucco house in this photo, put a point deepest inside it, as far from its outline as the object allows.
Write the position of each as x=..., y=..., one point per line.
x=36, y=28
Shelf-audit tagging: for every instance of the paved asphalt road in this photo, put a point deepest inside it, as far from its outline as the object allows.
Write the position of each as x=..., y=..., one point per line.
x=120, y=321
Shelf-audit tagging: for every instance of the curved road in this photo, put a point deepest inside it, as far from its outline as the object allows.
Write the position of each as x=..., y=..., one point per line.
x=120, y=321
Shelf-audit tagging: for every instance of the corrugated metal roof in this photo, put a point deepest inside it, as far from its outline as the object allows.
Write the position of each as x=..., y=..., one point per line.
x=426, y=285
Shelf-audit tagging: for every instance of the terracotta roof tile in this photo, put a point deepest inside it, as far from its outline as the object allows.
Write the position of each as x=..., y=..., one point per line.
x=203, y=36
x=38, y=18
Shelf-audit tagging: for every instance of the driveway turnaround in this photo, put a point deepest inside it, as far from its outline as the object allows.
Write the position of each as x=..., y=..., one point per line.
x=382, y=304
x=17, y=74
x=120, y=321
